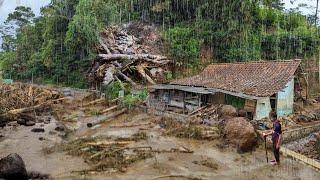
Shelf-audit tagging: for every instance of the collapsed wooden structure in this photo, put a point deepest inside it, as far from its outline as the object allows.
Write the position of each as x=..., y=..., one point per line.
x=257, y=88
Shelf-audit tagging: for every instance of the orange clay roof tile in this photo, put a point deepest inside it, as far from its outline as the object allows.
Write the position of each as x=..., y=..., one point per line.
x=260, y=78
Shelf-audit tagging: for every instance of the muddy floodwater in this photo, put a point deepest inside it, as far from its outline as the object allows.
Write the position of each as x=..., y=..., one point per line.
x=171, y=158
x=228, y=164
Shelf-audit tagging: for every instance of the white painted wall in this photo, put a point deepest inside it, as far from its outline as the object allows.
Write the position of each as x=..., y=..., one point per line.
x=263, y=108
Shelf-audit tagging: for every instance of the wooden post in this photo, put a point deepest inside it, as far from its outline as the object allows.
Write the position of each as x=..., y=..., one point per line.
x=307, y=90
x=199, y=102
x=184, y=102
x=319, y=67
x=169, y=100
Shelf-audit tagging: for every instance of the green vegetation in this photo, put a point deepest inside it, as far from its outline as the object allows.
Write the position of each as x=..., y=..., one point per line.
x=183, y=46
x=133, y=98
x=58, y=46
x=130, y=97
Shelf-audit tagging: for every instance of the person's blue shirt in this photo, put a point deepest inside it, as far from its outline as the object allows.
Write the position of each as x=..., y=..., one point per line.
x=276, y=130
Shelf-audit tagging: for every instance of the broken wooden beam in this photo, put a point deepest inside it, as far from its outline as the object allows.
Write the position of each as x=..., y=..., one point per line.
x=28, y=109
x=127, y=79
x=143, y=73
x=109, y=109
x=155, y=59
x=105, y=118
x=97, y=101
x=131, y=125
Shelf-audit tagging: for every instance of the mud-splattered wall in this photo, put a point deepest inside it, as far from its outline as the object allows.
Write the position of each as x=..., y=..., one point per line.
x=263, y=108
x=285, y=99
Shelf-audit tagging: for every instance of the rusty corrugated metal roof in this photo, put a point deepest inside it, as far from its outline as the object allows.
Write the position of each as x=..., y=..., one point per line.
x=259, y=78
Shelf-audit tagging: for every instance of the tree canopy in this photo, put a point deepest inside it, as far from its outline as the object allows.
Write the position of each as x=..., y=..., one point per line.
x=58, y=46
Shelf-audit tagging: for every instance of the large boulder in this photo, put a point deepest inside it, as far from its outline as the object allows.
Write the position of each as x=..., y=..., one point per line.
x=228, y=111
x=240, y=132
x=13, y=167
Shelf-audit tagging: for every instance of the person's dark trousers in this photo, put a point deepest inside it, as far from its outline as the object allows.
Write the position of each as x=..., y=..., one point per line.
x=276, y=152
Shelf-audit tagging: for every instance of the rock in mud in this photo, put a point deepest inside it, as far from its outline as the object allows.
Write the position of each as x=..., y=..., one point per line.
x=52, y=132
x=304, y=118
x=13, y=167
x=240, y=132
x=60, y=127
x=38, y=130
x=13, y=123
x=47, y=120
x=2, y=124
x=1, y=137
x=229, y=111
x=21, y=122
x=30, y=123
x=37, y=175
x=67, y=92
x=24, y=122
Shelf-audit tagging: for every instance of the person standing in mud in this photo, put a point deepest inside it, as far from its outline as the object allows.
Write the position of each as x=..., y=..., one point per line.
x=276, y=138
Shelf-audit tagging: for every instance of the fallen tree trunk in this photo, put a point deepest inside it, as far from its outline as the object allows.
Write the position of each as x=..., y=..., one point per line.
x=156, y=59
x=108, y=77
x=105, y=144
x=109, y=109
x=105, y=118
x=101, y=100
x=28, y=109
x=131, y=125
x=105, y=47
x=127, y=79
x=15, y=114
x=174, y=176
x=143, y=73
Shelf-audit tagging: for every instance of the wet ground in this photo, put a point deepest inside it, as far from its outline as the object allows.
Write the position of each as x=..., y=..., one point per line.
x=209, y=160
x=32, y=147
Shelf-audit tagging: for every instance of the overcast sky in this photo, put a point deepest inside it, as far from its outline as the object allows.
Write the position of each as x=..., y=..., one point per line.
x=7, y=6
x=294, y=3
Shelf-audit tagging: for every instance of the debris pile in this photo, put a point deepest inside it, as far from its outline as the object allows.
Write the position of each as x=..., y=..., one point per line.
x=189, y=130
x=299, y=118
x=21, y=102
x=106, y=154
x=209, y=112
x=307, y=116
x=17, y=96
x=207, y=163
x=124, y=57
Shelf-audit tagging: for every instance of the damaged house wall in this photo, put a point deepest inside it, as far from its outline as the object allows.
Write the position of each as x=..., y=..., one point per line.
x=263, y=108
x=285, y=100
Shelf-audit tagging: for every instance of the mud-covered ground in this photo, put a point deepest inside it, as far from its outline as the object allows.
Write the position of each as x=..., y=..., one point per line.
x=44, y=152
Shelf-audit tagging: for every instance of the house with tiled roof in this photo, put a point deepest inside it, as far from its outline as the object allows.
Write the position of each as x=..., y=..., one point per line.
x=256, y=87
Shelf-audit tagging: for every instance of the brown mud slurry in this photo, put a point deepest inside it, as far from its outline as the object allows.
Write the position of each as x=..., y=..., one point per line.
x=209, y=160
x=27, y=144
